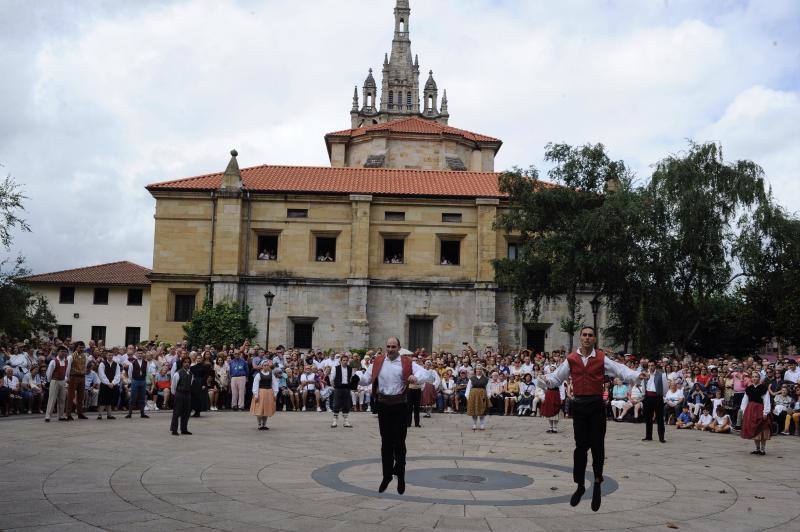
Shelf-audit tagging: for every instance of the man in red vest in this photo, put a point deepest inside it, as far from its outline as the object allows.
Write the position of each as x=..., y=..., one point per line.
x=588, y=367
x=390, y=375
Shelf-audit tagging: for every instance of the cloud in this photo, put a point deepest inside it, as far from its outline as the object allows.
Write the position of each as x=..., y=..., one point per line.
x=105, y=98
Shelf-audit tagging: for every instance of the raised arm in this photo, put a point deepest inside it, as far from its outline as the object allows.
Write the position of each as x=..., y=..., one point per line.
x=421, y=375
x=615, y=369
x=555, y=378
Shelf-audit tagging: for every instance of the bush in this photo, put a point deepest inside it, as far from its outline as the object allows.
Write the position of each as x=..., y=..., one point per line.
x=223, y=323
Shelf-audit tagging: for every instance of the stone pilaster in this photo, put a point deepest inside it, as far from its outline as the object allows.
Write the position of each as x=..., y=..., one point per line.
x=485, y=329
x=358, y=283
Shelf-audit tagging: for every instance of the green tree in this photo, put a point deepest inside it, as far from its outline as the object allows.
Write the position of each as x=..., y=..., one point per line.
x=24, y=312
x=11, y=204
x=224, y=323
x=567, y=231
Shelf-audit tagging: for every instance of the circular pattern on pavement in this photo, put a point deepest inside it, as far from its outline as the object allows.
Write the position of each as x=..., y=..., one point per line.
x=498, y=480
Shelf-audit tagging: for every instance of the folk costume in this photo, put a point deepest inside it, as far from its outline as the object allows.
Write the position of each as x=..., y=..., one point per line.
x=109, y=387
x=551, y=407
x=77, y=380
x=477, y=401
x=137, y=372
x=181, y=389
x=588, y=412
x=655, y=388
x=389, y=379
x=344, y=382
x=57, y=391
x=757, y=418
x=265, y=389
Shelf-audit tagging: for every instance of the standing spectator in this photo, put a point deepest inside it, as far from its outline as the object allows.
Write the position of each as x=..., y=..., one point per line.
x=342, y=385
x=414, y=392
x=109, y=386
x=655, y=386
x=57, y=390
x=430, y=389
x=222, y=376
x=77, y=380
x=137, y=372
x=238, y=372
x=181, y=389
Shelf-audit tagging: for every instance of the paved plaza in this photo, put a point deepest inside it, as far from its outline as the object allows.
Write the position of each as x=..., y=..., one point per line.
x=303, y=475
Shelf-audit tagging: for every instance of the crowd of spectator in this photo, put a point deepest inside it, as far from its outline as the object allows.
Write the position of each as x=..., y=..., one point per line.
x=705, y=393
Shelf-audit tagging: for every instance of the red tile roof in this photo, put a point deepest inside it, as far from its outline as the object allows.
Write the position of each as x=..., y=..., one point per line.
x=327, y=180
x=413, y=125
x=121, y=273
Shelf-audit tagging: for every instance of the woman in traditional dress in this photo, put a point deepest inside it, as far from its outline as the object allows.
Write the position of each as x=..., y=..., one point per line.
x=430, y=390
x=551, y=406
x=757, y=418
x=477, y=402
x=265, y=389
x=525, y=400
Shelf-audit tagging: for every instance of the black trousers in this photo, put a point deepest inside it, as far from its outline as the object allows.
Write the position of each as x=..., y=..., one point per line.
x=589, y=424
x=414, y=400
x=393, y=428
x=653, y=405
x=342, y=400
x=181, y=409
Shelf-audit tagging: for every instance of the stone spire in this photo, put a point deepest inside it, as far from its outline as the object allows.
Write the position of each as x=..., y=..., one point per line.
x=443, y=110
x=232, y=178
x=355, y=98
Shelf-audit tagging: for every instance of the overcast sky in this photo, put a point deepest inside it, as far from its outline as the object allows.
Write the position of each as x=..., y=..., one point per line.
x=98, y=99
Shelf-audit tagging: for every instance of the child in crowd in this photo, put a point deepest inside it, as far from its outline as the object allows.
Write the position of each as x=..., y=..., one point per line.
x=722, y=421
x=684, y=420
x=704, y=423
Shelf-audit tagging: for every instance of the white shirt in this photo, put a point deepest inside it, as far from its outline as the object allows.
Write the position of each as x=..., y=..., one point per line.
x=724, y=420
x=792, y=376
x=52, y=367
x=675, y=397
x=11, y=383
x=705, y=419
x=104, y=378
x=307, y=381
x=390, y=379
x=651, y=383
x=611, y=368
x=257, y=380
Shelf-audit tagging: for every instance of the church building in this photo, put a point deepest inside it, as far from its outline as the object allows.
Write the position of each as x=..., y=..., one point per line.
x=395, y=237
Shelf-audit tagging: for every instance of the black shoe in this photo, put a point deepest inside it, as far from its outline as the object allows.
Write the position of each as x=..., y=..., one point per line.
x=427, y=415
x=196, y=415
x=576, y=497
x=401, y=484
x=757, y=451
x=418, y=426
x=762, y=453
x=175, y=433
x=62, y=419
x=260, y=428
x=235, y=409
x=384, y=484
x=596, y=496
x=69, y=418
x=47, y=420
x=187, y=433
x=647, y=439
x=110, y=417
x=145, y=416
x=99, y=418
x=662, y=440
x=128, y=416
x=81, y=416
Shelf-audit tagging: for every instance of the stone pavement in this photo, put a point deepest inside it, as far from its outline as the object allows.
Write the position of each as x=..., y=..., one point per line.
x=303, y=475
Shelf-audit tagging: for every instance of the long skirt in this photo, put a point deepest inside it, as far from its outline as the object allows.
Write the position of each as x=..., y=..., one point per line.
x=428, y=395
x=755, y=423
x=552, y=403
x=108, y=396
x=265, y=406
x=477, y=403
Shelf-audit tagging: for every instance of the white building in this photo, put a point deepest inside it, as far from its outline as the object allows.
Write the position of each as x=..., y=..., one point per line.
x=109, y=302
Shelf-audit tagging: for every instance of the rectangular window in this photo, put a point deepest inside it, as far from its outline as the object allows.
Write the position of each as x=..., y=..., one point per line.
x=326, y=249
x=132, y=335
x=64, y=332
x=184, y=307
x=303, y=335
x=390, y=216
x=135, y=297
x=100, y=296
x=513, y=251
x=99, y=333
x=267, y=247
x=66, y=295
x=297, y=213
x=393, y=250
x=451, y=217
x=420, y=334
x=451, y=253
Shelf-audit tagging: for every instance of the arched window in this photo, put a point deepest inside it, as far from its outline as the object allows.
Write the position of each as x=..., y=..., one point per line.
x=409, y=101
x=402, y=26
x=430, y=102
x=369, y=99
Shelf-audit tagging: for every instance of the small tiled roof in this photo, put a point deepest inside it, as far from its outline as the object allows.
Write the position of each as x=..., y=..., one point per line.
x=413, y=125
x=121, y=273
x=328, y=180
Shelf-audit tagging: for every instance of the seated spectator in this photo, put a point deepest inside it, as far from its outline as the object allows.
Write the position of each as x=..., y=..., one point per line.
x=91, y=388
x=705, y=420
x=162, y=388
x=10, y=393
x=793, y=414
x=461, y=390
x=293, y=389
x=619, y=396
x=697, y=399
x=33, y=390
x=448, y=388
x=635, y=395
x=684, y=420
x=526, y=393
x=673, y=403
x=309, y=386
x=512, y=392
x=721, y=423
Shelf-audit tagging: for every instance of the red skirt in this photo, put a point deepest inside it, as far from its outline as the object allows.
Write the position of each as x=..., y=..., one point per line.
x=428, y=395
x=754, y=422
x=552, y=403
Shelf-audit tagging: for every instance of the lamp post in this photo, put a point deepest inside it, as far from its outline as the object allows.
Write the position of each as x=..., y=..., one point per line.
x=595, y=303
x=268, y=297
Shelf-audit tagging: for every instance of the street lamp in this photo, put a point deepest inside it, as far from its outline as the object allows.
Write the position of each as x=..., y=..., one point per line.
x=268, y=297
x=595, y=303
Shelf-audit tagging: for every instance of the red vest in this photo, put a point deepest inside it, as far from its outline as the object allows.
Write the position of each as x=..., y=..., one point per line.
x=60, y=371
x=378, y=364
x=588, y=379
